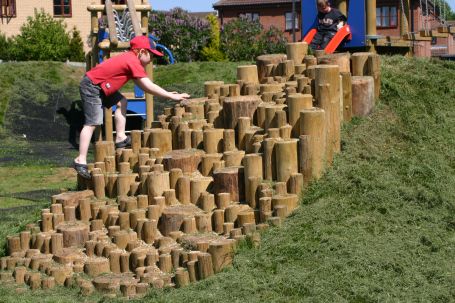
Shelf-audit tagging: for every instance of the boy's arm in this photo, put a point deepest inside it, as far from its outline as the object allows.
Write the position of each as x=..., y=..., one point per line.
x=149, y=87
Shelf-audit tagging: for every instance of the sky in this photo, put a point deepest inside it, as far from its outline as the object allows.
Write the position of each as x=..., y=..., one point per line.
x=189, y=5
x=206, y=5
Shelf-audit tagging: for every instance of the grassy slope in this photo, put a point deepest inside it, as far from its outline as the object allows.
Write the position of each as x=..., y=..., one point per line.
x=380, y=226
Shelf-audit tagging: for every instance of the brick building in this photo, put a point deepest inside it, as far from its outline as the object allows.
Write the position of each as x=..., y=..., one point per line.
x=389, y=21
x=269, y=12
x=14, y=13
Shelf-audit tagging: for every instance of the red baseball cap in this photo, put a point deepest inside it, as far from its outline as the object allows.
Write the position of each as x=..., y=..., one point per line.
x=143, y=42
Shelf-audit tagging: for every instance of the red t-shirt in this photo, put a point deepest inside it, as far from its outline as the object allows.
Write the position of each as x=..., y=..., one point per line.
x=113, y=73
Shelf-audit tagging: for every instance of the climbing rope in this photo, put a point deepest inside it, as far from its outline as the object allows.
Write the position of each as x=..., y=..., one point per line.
x=124, y=25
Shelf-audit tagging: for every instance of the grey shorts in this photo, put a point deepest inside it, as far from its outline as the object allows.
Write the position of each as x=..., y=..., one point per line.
x=94, y=100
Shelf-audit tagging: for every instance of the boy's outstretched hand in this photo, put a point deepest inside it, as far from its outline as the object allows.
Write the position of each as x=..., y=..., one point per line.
x=179, y=97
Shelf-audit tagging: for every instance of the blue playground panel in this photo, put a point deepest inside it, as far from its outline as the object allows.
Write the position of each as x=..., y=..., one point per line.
x=356, y=20
x=135, y=106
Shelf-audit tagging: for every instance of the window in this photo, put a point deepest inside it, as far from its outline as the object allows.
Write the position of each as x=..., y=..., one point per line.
x=62, y=8
x=250, y=16
x=288, y=17
x=7, y=8
x=386, y=16
x=115, y=2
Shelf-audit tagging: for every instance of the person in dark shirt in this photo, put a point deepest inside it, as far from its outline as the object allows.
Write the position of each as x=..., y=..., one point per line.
x=330, y=20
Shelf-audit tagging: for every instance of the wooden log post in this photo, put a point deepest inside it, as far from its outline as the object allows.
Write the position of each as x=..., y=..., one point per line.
x=218, y=220
x=222, y=254
x=230, y=180
x=359, y=63
x=253, y=184
x=186, y=160
x=212, y=88
x=268, y=159
x=205, y=265
x=14, y=244
x=296, y=51
x=252, y=168
x=222, y=200
x=74, y=233
x=266, y=65
x=296, y=103
x=247, y=74
x=362, y=95
x=239, y=106
x=104, y=149
x=286, y=69
x=228, y=140
x=290, y=202
x=19, y=274
x=213, y=141
x=327, y=85
x=183, y=190
x=182, y=277
x=286, y=159
x=374, y=70
x=162, y=139
x=295, y=184
x=25, y=237
x=233, y=158
x=243, y=125
x=208, y=163
x=346, y=80
x=46, y=222
x=313, y=144
x=174, y=175
x=99, y=186
x=56, y=243
x=343, y=60
x=173, y=217
x=157, y=183
x=96, y=266
x=367, y=64
x=198, y=185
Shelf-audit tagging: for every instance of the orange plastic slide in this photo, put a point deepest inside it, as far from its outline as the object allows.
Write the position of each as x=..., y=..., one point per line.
x=343, y=33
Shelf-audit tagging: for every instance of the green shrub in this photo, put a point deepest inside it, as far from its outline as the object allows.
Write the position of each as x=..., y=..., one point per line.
x=239, y=39
x=272, y=41
x=5, y=45
x=42, y=38
x=183, y=34
x=245, y=39
x=212, y=52
x=76, y=46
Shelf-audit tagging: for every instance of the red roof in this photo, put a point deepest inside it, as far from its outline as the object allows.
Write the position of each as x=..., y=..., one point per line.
x=224, y=3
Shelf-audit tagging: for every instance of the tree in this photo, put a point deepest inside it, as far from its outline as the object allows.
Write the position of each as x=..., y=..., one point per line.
x=183, y=34
x=245, y=39
x=212, y=52
x=76, y=46
x=42, y=38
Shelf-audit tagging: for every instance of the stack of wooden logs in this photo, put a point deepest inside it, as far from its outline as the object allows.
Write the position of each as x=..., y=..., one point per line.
x=169, y=210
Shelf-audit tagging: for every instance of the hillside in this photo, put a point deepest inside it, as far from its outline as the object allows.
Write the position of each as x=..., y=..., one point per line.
x=379, y=226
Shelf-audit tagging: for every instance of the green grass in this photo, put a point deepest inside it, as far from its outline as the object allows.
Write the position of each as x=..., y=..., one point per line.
x=378, y=227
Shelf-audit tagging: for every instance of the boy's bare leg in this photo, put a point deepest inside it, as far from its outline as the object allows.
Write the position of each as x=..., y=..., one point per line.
x=84, y=143
x=120, y=120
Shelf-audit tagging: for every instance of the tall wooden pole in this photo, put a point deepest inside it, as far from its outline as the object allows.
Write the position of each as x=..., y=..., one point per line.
x=371, y=21
x=149, y=98
x=405, y=17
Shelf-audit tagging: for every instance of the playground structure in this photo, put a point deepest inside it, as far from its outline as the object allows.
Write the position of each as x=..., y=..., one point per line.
x=361, y=30
x=171, y=209
x=123, y=23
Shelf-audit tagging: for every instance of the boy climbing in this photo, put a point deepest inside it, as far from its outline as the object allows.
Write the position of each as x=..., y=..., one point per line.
x=99, y=88
x=330, y=20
